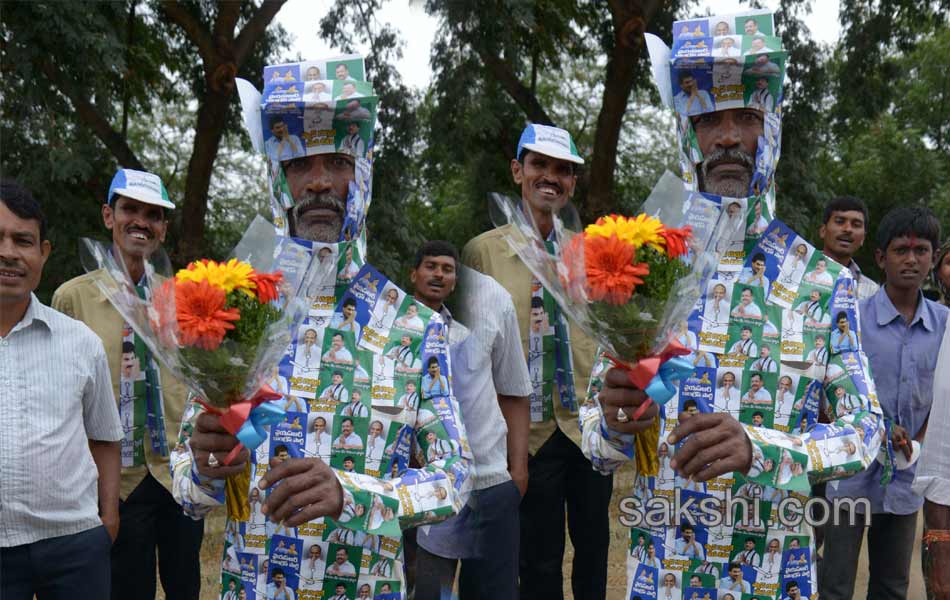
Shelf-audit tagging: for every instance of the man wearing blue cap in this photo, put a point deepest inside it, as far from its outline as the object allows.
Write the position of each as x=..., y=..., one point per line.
x=150, y=401
x=547, y=444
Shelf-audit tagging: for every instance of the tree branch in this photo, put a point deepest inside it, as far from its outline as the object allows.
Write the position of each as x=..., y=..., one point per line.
x=228, y=14
x=521, y=94
x=89, y=114
x=629, y=19
x=254, y=29
x=193, y=28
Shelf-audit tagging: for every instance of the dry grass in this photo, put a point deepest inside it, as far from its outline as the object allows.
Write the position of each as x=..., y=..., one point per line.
x=616, y=565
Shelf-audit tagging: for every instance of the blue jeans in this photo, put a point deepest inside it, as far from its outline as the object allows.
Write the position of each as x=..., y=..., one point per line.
x=485, y=535
x=60, y=568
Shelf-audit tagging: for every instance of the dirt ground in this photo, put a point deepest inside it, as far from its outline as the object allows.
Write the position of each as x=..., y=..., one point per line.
x=616, y=570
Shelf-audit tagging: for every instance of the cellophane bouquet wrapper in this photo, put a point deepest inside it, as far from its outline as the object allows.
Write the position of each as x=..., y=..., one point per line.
x=219, y=327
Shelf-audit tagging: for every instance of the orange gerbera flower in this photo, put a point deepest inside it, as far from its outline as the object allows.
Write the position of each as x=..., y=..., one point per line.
x=202, y=319
x=265, y=286
x=676, y=240
x=611, y=274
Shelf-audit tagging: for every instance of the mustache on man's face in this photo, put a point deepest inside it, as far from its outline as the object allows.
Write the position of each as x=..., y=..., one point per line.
x=312, y=200
x=727, y=156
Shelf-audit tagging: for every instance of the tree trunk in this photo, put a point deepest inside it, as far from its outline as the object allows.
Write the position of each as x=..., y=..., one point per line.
x=212, y=115
x=629, y=22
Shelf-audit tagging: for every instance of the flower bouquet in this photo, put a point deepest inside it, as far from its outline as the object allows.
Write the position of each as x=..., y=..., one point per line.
x=626, y=282
x=219, y=327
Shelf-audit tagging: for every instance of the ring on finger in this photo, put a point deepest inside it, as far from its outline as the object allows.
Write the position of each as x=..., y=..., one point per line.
x=213, y=460
x=622, y=416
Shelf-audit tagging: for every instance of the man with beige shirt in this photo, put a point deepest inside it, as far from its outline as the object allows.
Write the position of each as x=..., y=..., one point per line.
x=150, y=402
x=558, y=473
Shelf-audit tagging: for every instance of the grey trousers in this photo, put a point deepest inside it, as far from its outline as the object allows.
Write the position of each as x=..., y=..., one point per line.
x=890, y=546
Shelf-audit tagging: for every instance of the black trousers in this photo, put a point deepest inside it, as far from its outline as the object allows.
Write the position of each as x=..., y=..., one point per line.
x=488, y=528
x=890, y=547
x=150, y=520
x=560, y=476
x=67, y=567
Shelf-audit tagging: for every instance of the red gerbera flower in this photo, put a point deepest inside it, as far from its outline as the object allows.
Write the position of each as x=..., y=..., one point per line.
x=676, y=240
x=202, y=319
x=266, y=286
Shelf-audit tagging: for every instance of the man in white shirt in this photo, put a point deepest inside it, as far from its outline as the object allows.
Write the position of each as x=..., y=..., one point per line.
x=757, y=393
x=355, y=407
x=492, y=386
x=411, y=319
x=727, y=394
x=342, y=567
x=315, y=92
x=307, y=355
x=749, y=556
x=758, y=47
x=761, y=98
x=321, y=439
x=352, y=142
x=59, y=510
x=339, y=593
x=348, y=440
x=336, y=390
x=812, y=309
x=746, y=307
x=403, y=355
x=820, y=276
x=410, y=399
x=349, y=91
x=818, y=355
x=338, y=352
x=842, y=235
x=746, y=346
x=375, y=443
x=794, y=266
x=784, y=398
x=231, y=594
x=765, y=362
x=727, y=49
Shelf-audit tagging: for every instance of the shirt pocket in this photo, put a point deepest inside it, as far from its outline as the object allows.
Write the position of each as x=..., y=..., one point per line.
x=923, y=362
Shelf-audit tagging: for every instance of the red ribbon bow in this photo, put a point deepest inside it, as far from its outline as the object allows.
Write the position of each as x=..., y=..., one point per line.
x=645, y=369
x=237, y=414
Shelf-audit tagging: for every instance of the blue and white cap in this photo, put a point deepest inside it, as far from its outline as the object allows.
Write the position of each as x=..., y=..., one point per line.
x=139, y=185
x=550, y=141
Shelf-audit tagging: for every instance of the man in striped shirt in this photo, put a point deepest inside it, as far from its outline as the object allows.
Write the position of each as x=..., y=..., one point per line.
x=59, y=428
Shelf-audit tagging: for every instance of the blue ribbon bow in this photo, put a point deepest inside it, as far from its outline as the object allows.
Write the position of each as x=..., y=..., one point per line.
x=253, y=433
x=661, y=388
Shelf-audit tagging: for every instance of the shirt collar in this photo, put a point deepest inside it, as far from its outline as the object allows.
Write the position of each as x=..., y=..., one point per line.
x=446, y=315
x=855, y=270
x=887, y=312
x=35, y=311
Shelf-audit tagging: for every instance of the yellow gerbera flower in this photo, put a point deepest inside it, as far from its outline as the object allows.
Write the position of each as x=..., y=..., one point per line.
x=636, y=231
x=234, y=274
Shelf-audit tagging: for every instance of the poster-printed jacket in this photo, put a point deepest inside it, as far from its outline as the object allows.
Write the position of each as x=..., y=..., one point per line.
x=364, y=390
